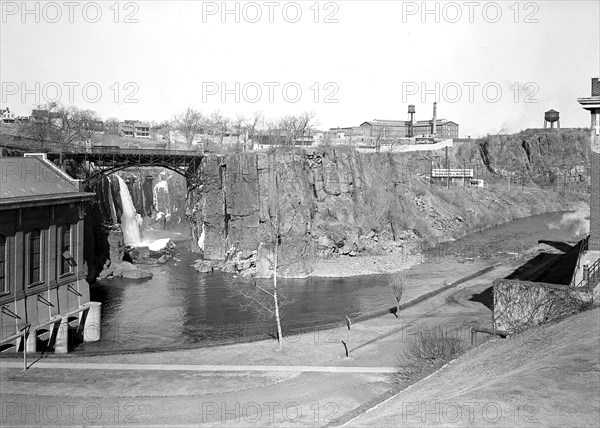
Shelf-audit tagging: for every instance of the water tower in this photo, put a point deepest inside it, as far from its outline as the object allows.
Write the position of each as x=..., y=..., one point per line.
x=411, y=120
x=550, y=117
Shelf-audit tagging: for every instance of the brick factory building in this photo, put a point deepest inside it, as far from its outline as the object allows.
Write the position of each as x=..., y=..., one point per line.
x=387, y=130
x=401, y=128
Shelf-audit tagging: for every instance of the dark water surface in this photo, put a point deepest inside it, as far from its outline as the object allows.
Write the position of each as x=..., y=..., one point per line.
x=179, y=306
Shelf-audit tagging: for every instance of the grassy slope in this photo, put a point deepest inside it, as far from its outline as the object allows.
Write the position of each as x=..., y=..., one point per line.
x=547, y=376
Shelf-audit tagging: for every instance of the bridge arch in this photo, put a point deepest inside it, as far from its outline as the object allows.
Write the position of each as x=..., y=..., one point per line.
x=96, y=177
x=107, y=160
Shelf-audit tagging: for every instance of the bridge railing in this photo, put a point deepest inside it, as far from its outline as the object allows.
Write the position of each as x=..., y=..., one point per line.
x=52, y=147
x=100, y=150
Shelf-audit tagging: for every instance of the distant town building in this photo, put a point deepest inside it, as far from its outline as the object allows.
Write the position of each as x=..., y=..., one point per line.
x=45, y=116
x=7, y=116
x=97, y=127
x=134, y=129
x=42, y=279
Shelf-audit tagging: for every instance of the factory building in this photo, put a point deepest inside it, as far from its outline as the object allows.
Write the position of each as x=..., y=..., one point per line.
x=394, y=129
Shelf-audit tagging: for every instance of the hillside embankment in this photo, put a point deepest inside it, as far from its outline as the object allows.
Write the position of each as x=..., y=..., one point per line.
x=546, y=376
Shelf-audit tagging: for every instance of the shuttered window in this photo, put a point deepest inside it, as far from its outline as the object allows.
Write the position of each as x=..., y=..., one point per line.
x=35, y=244
x=3, y=281
x=65, y=240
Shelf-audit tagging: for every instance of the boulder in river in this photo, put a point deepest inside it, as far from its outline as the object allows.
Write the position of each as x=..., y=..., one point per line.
x=125, y=270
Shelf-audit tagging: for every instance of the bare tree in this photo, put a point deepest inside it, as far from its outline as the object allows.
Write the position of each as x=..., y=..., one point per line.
x=165, y=128
x=61, y=125
x=277, y=238
x=305, y=124
x=189, y=123
x=397, y=284
x=239, y=125
x=72, y=125
x=37, y=130
x=264, y=299
x=273, y=132
x=66, y=125
x=280, y=258
x=293, y=128
x=253, y=126
x=287, y=125
x=219, y=125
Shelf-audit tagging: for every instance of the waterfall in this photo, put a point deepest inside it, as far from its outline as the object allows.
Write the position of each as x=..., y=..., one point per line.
x=129, y=220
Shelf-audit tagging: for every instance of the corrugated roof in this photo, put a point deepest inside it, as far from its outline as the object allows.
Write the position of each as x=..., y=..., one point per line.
x=31, y=178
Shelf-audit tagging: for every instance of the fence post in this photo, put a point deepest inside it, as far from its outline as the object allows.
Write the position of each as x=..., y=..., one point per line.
x=473, y=336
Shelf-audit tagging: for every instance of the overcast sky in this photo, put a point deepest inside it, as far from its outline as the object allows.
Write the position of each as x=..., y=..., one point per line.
x=481, y=60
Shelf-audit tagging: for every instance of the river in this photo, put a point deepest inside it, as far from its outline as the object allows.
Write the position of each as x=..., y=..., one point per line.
x=179, y=307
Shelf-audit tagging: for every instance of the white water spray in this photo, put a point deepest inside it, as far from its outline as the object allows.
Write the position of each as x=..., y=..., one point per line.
x=129, y=219
x=576, y=223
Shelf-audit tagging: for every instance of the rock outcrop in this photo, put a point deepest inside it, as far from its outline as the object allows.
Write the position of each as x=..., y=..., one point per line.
x=124, y=270
x=323, y=203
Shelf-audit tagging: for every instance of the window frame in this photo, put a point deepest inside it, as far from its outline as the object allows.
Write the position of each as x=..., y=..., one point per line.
x=61, y=247
x=40, y=279
x=5, y=285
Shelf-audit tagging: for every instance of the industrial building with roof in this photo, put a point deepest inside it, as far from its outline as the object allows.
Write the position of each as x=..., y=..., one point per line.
x=43, y=290
x=395, y=129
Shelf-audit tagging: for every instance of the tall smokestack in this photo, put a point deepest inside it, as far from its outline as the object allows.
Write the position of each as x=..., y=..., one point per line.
x=434, y=118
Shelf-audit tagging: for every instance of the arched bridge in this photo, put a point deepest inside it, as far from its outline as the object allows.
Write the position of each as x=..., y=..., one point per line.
x=102, y=161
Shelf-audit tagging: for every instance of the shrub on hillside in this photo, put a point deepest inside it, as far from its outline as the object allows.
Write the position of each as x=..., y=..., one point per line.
x=432, y=345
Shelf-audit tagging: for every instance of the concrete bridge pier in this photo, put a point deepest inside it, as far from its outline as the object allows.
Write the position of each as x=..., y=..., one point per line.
x=91, y=328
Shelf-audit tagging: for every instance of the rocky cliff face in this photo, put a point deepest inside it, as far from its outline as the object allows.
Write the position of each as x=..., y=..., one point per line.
x=537, y=153
x=329, y=202
x=103, y=236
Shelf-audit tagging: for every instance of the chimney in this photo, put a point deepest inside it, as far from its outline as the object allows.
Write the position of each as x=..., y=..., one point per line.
x=434, y=118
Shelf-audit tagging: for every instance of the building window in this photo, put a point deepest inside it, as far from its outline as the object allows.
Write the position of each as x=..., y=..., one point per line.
x=3, y=281
x=65, y=246
x=35, y=256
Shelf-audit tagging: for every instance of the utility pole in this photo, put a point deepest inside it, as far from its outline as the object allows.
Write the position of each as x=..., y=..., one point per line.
x=447, y=170
x=430, y=172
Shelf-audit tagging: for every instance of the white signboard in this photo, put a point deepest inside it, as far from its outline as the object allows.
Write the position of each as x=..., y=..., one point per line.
x=442, y=172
